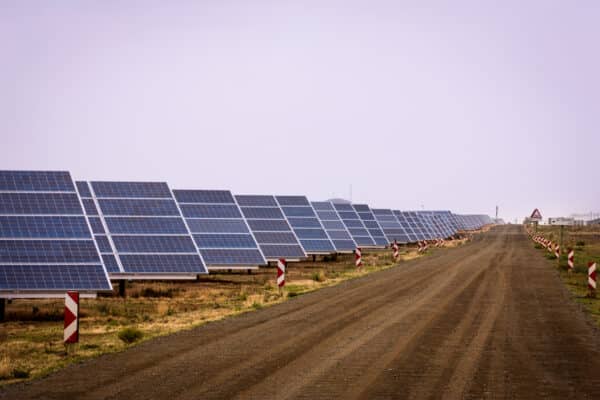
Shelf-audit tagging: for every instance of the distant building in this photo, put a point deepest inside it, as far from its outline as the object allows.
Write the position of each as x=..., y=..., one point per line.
x=561, y=221
x=594, y=221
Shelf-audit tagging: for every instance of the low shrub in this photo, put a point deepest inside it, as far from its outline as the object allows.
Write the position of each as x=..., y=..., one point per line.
x=580, y=243
x=19, y=373
x=318, y=276
x=130, y=335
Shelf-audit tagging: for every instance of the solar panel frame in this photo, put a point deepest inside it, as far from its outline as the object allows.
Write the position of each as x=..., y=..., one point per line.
x=391, y=226
x=277, y=223
x=354, y=224
x=220, y=249
x=314, y=241
x=128, y=202
x=334, y=227
x=48, y=249
x=368, y=219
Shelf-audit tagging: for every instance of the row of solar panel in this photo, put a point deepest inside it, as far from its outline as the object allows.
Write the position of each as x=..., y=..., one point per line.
x=145, y=229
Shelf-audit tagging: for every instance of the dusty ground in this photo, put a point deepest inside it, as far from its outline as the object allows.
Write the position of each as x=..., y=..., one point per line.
x=487, y=320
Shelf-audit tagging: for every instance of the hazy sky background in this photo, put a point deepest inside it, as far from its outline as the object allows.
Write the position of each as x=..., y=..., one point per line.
x=450, y=105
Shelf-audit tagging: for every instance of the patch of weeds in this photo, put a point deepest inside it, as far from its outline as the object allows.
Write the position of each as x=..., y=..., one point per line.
x=157, y=293
x=550, y=256
x=257, y=306
x=318, y=276
x=538, y=246
x=89, y=346
x=580, y=243
x=130, y=335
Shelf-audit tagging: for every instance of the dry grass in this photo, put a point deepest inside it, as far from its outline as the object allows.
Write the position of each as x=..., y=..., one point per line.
x=31, y=338
x=576, y=281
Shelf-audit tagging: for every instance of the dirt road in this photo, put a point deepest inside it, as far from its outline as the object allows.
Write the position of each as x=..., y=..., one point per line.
x=486, y=320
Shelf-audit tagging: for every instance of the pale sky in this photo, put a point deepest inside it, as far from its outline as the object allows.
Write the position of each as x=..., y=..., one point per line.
x=451, y=105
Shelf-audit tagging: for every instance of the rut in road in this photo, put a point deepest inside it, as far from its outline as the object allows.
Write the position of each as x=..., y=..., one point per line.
x=485, y=320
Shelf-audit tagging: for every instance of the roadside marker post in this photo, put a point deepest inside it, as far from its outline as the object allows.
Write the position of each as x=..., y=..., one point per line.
x=557, y=253
x=571, y=260
x=71, y=328
x=395, y=248
x=592, y=279
x=358, y=258
x=281, y=264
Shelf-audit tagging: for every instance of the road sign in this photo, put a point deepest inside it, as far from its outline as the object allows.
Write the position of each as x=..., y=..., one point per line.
x=536, y=215
x=281, y=272
x=71, y=317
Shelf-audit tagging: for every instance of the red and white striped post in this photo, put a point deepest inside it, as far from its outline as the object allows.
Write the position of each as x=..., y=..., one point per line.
x=71, y=334
x=571, y=260
x=395, y=248
x=592, y=279
x=358, y=257
x=426, y=245
x=281, y=264
x=557, y=251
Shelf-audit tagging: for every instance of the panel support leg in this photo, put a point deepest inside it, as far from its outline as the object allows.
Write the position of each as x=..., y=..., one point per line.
x=314, y=257
x=122, y=288
x=2, y=309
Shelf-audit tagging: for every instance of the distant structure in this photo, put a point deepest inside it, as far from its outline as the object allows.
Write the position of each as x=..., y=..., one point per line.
x=340, y=201
x=594, y=221
x=561, y=221
x=536, y=217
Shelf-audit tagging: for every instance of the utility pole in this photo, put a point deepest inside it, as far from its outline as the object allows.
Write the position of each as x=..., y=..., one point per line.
x=496, y=213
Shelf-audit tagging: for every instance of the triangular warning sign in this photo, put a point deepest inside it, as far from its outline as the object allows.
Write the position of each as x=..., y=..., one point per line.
x=536, y=214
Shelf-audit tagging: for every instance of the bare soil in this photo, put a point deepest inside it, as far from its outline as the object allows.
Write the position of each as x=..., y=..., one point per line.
x=490, y=319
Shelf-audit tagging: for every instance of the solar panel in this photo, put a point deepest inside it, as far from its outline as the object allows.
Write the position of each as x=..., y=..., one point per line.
x=266, y=220
x=366, y=215
x=335, y=228
x=46, y=246
x=140, y=230
x=305, y=224
x=391, y=226
x=355, y=226
x=412, y=225
x=219, y=229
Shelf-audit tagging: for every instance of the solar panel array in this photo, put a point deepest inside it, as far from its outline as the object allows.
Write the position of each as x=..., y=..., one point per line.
x=272, y=231
x=391, y=227
x=307, y=227
x=45, y=242
x=366, y=215
x=354, y=224
x=140, y=231
x=57, y=235
x=219, y=230
x=335, y=228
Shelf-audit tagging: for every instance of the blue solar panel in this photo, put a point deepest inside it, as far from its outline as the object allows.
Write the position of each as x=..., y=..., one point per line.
x=368, y=219
x=39, y=203
x=298, y=211
x=48, y=251
x=224, y=241
x=46, y=278
x=210, y=211
x=269, y=225
x=255, y=201
x=204, y=196
x=119, y=225
x=145, y=233
x=317, y=245
x=292, y=201
x=270, y=228
x=297, y=208
x=162, y=263
x=45, y=243
x=275, y=237
x=131, y=189
x=90, y=207
x=358, y=232
x=262, y=213
x=218, y=226
x=154, y=244
x=274, y=251
x=96, y=224
x=219, y=229
x=333, y=225
x=43, y=227
x=305, y=223
x=138, y=207
x=228, y=257
x=25, y=181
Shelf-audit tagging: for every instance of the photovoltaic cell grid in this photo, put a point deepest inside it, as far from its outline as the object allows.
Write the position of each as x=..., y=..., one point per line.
x=45, y=242
x=408, y=228
x=411, y=219
x=270, y=227
x=355, y=226
x=335, y=228
x=139, y=229
x=424, y=225
x=219, y=230
x=427, y=220
x=391, y=227
x=307, y=227
x=368, y=219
